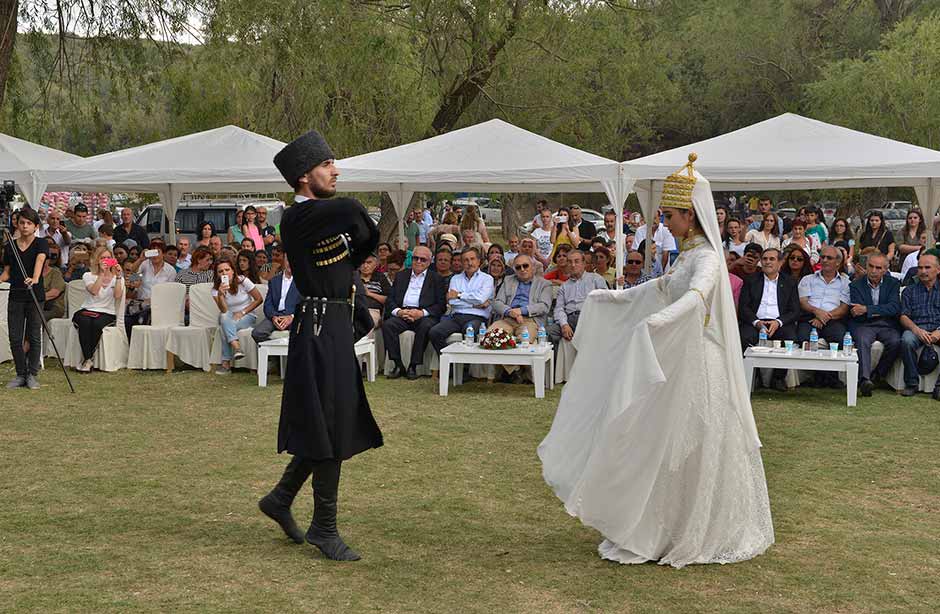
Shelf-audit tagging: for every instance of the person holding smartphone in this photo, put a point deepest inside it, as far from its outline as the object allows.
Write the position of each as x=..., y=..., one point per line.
x=105, y=285
x=22, y=315
x=237, y=297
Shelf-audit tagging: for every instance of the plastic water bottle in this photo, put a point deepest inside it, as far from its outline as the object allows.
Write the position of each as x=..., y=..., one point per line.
x=482, y=332
x=542, y=335
x=813, y=340
x=847, y=344
x=525, y=337
x=762, y=337
x=468, y=335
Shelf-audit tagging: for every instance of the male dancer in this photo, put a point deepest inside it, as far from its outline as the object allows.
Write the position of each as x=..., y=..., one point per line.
x=325, y=417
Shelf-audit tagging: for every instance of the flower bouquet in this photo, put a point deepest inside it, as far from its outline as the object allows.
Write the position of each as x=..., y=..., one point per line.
x=497, y=339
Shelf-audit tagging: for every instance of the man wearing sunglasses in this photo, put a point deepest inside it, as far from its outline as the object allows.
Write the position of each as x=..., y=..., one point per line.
x=523, y=301
x=415, y=303
x=633, y=271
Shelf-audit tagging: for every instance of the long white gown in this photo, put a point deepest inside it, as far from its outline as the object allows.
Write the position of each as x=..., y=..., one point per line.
x=654, y=442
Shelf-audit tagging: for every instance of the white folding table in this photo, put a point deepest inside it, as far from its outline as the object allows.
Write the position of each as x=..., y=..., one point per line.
x=540, y=358
x=821, y=360
x=365, y=351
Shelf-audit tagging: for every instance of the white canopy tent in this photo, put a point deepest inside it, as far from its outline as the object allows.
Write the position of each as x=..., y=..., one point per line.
x=791, y=152
x=227, y=159
x=25, y=163
x=493, y=156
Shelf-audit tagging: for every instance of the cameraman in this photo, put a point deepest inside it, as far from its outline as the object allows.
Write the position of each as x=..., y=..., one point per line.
x=22, y=315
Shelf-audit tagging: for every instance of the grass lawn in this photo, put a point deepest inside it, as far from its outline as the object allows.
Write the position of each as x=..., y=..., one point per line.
x=139, y=494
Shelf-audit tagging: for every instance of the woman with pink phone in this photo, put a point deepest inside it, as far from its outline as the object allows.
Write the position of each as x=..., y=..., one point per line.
x=105, y=285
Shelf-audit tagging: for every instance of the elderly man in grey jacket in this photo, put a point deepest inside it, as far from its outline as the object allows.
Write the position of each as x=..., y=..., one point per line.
x=522, y=302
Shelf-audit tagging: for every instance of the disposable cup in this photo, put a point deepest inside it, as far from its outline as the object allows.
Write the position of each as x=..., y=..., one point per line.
x=834, y=349
x=789, y=345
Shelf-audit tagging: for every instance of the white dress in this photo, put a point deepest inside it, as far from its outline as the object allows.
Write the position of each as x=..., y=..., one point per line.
x=666, y=465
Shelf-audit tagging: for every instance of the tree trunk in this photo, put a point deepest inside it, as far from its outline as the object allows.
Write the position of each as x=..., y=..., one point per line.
x=9, y=11
x=517, y=210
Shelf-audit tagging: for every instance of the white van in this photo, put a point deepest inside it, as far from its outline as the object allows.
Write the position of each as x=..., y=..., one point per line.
x=191, y=214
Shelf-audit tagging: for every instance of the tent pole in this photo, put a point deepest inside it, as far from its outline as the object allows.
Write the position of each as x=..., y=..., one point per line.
x=402, y=210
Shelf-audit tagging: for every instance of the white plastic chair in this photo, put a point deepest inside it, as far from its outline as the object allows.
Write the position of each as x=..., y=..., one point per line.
x=148, y=342
x=192, y=344
x=111, y=353
x=5, y=354
x=249, y=347
x=61, y=328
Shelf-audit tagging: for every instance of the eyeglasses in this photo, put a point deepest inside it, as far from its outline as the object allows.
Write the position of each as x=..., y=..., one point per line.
x=827, y=258
x=521, y=267
x=634, y=262
x=421, y=259
x=797, y=259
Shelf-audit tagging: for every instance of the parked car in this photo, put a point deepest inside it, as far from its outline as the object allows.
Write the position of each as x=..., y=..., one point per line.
x=190, y=214
x=894, y=218
x=898, y=204
x=829, y=209
x=787, y=213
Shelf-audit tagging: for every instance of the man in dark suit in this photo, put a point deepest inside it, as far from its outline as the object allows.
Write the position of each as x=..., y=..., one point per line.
x=771, y=301
x=279, y=305
x=416, y=303
x=876, y=307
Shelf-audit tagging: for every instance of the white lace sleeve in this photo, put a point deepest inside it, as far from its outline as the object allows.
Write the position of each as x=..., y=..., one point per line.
x=699, y=295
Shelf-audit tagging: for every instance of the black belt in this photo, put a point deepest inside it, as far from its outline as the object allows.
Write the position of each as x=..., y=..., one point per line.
x=317, y=305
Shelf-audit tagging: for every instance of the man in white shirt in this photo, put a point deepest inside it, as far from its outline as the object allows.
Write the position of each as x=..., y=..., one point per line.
x=470, y=294
x=153, y=270
x=662, y=238
x=55, y=230
x=185, y=259
x=824, y=299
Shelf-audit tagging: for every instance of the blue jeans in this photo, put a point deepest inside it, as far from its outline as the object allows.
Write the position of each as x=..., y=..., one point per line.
x=909, y=346
x=229, y=328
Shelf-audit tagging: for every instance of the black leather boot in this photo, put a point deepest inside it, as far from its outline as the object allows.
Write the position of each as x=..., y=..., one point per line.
x=322, y=532
x=276, y=504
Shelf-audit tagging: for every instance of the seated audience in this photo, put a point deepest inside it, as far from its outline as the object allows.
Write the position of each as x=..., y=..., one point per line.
x=171, y=255
x=184, y=259
x=571, y=297
x=770, y=301
x=120, y=253
x=513, y=250
x=376, y=287
x=246, y=265
x=560, y=270
x=416, y=302
x=877, y=234
x=153, y=270
x=105, y=286
x=383, y=251
x=796, y=263
x=456, y=262
x=469, y=295
x=824, y=299
x=279, y=304
x=394, y=265
x=602, y=257
x=768, y=235
x=78, y=262
x=497, y=270
x=808, y=243
x=875, y=308
x=54, y=285
x=528, y=247
x=237, y=298
x=215, y=246
x=106, y=234
x=522, y=302
x=494, y=249
x=200, y=271
x=633, y=274
x=747, y=264
x=442, y=265
x=920, y=317
x=262, y=265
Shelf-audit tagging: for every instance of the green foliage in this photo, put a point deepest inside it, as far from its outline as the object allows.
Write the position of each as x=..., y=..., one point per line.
x=893, y=91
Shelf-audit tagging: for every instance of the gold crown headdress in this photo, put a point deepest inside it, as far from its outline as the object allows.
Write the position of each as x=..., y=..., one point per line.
x=677, y=188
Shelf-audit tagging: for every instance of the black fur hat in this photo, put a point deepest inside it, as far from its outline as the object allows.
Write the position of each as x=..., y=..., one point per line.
x=301, y=155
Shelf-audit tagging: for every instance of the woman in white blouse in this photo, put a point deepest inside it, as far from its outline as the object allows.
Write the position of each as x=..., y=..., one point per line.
x=105, y=285
x=237, y=297
x=768, y=235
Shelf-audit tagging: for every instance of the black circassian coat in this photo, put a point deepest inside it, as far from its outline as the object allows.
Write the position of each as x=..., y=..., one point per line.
x=324, y=410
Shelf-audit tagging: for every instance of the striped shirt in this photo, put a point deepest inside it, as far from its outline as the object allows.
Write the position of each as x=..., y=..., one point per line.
x=921, y=305
x=190, y=277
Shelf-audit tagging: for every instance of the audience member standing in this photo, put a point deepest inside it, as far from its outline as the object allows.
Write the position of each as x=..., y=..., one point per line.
x=128, y=229
x=877, y=234
x=23, y=319
x=808, y=243
x=79, y=228
x=55, y=230
x=875, y=308
x=544, y=238
x=586, y=230
x=416, y=302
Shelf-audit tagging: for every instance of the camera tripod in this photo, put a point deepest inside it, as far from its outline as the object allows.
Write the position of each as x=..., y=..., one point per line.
x=11, y=245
